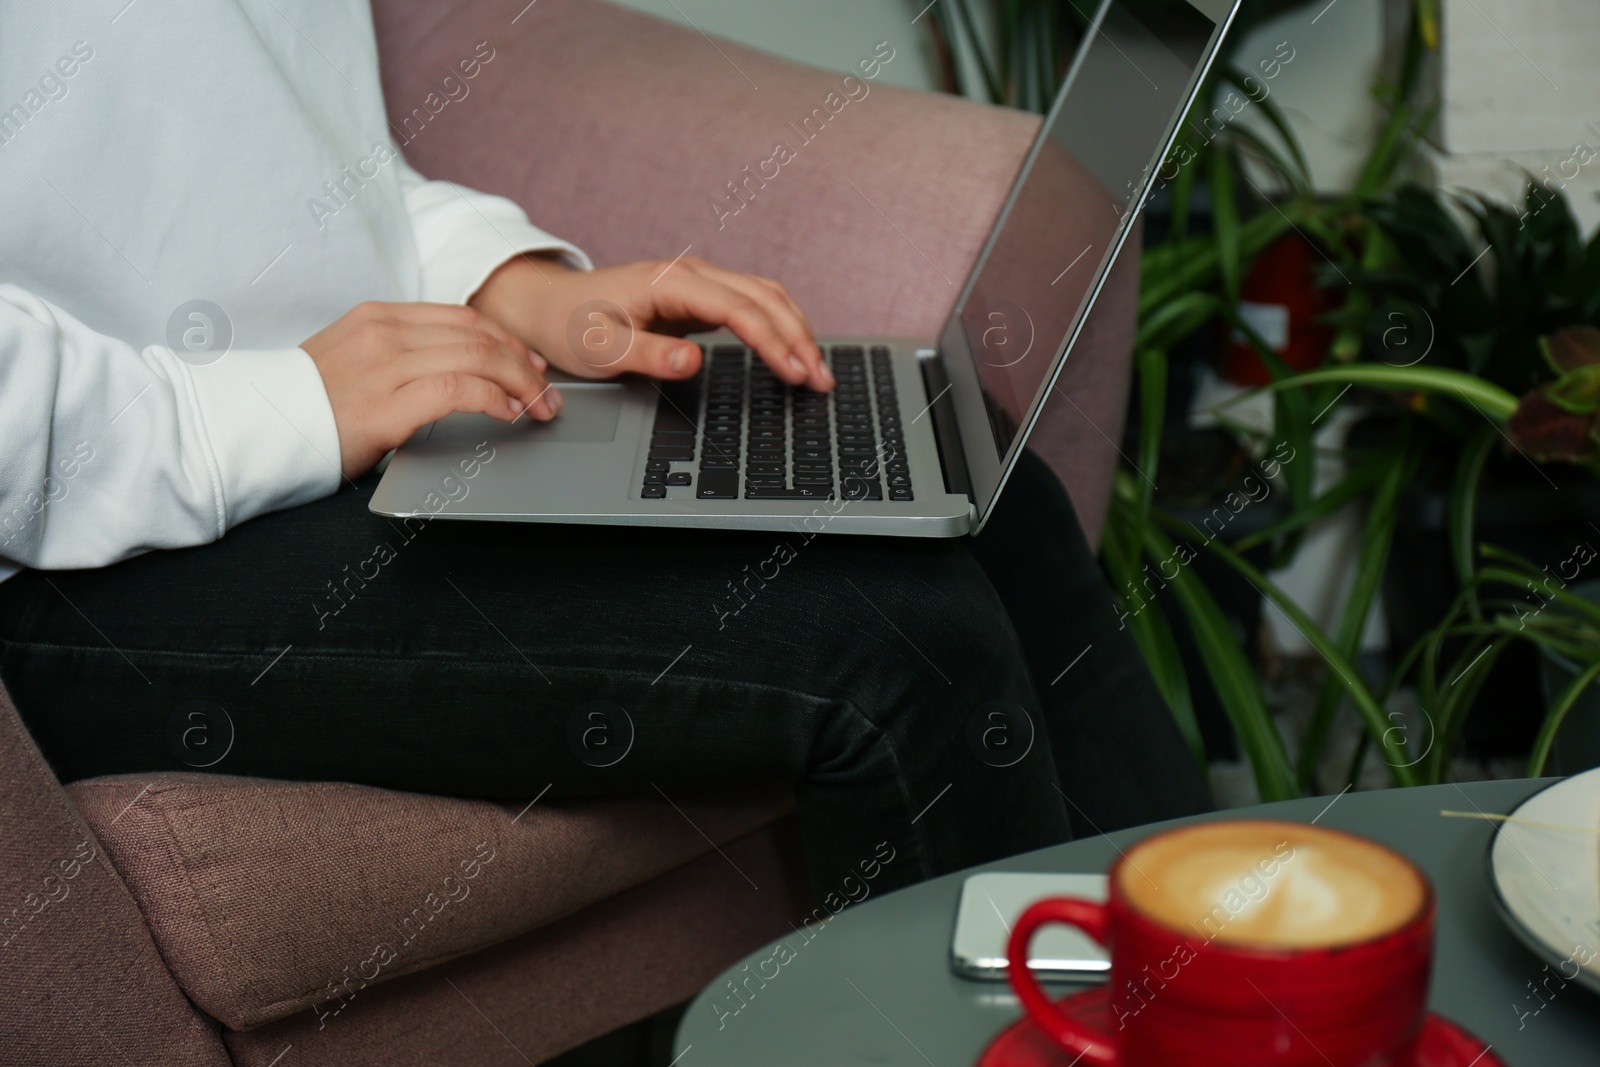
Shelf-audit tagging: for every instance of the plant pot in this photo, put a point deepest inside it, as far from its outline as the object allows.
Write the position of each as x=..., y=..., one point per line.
x=1577, y=743
x=1281, y=300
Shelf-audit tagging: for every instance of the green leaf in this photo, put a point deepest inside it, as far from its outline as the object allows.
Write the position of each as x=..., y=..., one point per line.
x=1296, y=166
x=1183, y=188
x=1577, y=391
x=1573, y=347
x=1177, y=267
x=1455, y=699
x=1487, y=397
x=1177, y=319
x=1337, y=496
x=1152, y=421
x=1121, y=555
x=1296, y=182
x=1370, y=710
x=1464, y=506
x=1225, y=223
x=1556, y=715
x=1382, y=514
x=1231, y=675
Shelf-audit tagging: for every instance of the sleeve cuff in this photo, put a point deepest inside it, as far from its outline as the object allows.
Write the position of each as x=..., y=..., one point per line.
x=270, y=426
x=463, y=236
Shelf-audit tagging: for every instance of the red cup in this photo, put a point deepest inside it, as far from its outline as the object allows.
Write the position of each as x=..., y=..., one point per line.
x=1180, y=999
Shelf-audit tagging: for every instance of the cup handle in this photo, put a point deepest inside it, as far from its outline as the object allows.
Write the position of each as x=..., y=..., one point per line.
x=1091, y=1045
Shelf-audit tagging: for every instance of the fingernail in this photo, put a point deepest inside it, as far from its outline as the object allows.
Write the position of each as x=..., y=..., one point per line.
x=797, y=364
x=553, y=398
x=515, y=405
x=678, y=362
x=538, y=361
x=827, y=375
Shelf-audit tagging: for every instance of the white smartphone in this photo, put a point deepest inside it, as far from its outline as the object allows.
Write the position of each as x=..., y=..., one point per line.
x=991, y=903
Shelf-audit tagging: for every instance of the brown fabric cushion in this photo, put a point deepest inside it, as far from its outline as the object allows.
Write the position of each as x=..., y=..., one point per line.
x=267, y=897
x=547, y=991
x=80, y=980
x=620, y=131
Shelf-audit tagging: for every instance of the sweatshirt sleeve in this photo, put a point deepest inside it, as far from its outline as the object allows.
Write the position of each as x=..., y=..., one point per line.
x=110, y=450
x=463, y=235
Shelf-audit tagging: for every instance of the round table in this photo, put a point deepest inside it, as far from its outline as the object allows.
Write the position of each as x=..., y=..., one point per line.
x=874, y=986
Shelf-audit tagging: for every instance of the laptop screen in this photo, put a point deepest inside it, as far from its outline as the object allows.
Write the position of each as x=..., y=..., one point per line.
x=1132, y=80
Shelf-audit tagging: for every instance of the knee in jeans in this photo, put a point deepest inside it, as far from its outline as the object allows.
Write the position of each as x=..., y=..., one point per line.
x=944, y=651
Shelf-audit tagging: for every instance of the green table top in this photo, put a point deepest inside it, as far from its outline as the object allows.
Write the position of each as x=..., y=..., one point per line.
x=875, y=985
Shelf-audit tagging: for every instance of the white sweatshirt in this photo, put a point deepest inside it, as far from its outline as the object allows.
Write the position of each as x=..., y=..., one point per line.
x=188, y=190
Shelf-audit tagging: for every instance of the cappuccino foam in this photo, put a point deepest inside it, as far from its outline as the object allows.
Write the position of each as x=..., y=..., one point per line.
x=1271, y=884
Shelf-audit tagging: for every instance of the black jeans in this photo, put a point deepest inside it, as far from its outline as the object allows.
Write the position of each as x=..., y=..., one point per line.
x=959, y=700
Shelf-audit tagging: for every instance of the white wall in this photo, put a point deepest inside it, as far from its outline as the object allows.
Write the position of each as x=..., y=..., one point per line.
x=1519, y=87
x=1325, y=91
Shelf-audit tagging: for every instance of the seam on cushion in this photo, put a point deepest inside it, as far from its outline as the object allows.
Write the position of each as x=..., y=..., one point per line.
x=213, y=928
x=172, y=852
x=258, y=1002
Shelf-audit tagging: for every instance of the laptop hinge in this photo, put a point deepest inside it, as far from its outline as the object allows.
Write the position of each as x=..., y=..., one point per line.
x=945, y=432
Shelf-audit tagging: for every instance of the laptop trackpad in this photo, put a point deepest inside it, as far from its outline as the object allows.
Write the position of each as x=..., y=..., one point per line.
x=589, y=415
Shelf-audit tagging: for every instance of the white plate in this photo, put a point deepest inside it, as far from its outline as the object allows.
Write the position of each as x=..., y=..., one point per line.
x=1547, y=880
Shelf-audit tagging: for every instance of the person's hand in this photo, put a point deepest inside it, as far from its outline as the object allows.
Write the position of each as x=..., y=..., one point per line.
x=601, y=323
x=391, y=369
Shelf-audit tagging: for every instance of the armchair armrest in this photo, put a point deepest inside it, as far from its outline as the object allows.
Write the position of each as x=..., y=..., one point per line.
x=80, y=977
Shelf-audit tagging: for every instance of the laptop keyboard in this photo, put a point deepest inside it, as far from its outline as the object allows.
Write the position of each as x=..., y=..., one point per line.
x=794, y=445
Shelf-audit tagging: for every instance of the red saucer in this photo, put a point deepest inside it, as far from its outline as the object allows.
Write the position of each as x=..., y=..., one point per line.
x=1442, y=1044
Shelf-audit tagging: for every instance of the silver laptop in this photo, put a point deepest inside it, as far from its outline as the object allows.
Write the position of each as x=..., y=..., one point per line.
x=920, y=435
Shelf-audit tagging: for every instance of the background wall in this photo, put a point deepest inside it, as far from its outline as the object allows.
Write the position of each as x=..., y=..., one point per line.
x=1519, y=90
x=1337, y=50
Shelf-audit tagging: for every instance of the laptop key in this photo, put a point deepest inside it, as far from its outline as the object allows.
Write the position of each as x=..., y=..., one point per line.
x=718, y=484
x=653, y=492
x=778, y=492
x=655, y=478
x=856, y=488
x=658, y=465
x=901, y=494
x=671, y=452
x=680, y=478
